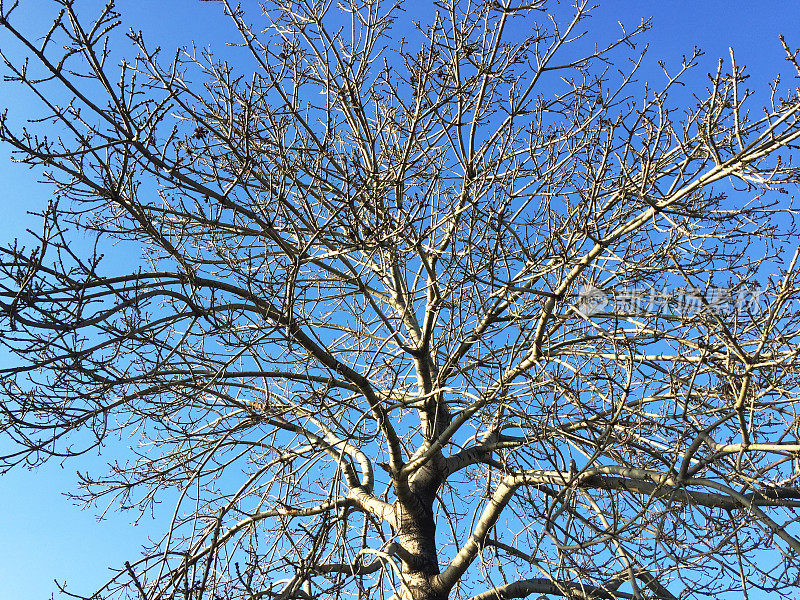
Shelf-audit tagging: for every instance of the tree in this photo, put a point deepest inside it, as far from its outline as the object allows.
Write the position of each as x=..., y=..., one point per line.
x=456, y=314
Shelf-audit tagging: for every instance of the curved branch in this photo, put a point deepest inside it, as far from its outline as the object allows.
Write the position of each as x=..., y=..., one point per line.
x=540, y=585
x=640, y=481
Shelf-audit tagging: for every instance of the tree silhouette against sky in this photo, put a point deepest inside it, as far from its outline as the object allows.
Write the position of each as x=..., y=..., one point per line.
x=453, y=311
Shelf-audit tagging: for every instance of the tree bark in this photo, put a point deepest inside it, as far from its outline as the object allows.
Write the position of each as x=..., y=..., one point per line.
x=417, y=541
x=417, y=534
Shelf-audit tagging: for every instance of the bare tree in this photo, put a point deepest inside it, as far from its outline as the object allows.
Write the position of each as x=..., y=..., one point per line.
x=456, y=314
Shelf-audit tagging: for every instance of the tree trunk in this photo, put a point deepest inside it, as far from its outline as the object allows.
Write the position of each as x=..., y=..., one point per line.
x=417, y=539
x=417, y=535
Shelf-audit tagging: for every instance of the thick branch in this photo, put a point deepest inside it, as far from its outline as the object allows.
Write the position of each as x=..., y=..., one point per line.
x=569, y=589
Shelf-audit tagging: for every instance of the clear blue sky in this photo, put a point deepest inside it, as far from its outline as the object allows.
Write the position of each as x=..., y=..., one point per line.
x=44, y=536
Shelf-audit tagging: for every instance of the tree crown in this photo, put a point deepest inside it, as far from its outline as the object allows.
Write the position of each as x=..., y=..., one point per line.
x=461, y=313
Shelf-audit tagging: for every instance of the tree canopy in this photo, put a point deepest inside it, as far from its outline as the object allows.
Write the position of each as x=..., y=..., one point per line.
x=461, y=309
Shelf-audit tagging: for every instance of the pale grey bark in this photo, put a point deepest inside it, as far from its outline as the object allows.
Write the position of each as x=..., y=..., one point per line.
x=355, y=350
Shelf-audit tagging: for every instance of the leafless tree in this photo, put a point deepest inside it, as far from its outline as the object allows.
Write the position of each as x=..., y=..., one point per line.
x=429, y=313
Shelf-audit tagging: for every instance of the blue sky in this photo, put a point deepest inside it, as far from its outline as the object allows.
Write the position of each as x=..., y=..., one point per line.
x=45, y=536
